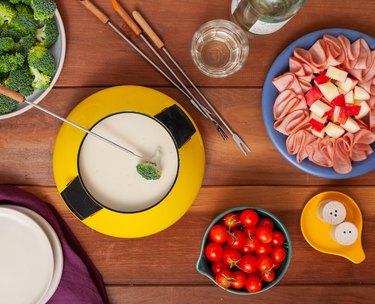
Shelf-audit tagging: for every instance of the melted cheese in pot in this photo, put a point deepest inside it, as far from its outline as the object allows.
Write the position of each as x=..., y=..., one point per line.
x=110, y=175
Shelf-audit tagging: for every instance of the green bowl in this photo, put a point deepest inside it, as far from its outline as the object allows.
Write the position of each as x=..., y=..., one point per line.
x=203, y=265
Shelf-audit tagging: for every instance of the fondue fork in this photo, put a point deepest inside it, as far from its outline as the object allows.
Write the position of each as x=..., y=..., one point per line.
x=105, y=20
x=160, y=45
x=138, y=32
x=20, y=98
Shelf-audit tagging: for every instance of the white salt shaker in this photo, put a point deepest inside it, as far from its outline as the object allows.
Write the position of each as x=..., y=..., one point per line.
x=332, y=212
x=345, y=233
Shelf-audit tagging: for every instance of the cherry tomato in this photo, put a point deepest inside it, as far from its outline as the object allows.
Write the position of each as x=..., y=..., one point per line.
x=253, y=284
x=276, y=265
x=263, y=248
x=250, y=232
x=264, y=234
x=250, y=246
x=218, y=234
x=278, y=254
x=218, y=266
x=264, y=263
x=248, y=263
x=231, y=257
x=231, y=220
x=213, y=252
x=239, y=280
x=266, y=222
x=268, y=275
x=278, y=239
x=249, y=218
x=224, y=278
x=236, y=239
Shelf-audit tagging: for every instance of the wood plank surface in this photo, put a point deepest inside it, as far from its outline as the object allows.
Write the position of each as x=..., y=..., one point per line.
x=210, y=294
x=169, y=257
x=161, y=268
x=29, y=139
x=96, y=56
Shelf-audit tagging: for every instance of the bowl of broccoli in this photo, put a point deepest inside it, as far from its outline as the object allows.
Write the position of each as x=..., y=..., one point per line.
x=32, y=51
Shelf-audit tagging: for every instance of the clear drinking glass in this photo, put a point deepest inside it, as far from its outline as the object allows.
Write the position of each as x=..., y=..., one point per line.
x=219, y=48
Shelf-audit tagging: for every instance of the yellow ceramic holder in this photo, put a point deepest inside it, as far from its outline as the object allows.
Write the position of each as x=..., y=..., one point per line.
x=187, y=185
x=318, y=233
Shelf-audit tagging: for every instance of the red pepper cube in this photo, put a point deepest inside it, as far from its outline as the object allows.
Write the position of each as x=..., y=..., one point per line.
x=353, y=110
x=339, y=101
x=316, y=125
x=313, y=95
x=321, y=78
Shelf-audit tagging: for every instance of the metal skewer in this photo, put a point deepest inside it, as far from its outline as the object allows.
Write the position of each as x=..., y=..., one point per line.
x=105, y=19
x=160, y=45
x=138, y=32
x=20, y=98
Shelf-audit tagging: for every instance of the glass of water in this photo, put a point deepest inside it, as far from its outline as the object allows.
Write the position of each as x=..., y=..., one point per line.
x=219, y=48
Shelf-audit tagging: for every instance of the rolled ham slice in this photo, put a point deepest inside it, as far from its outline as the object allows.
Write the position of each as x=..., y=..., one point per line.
x=341, y=161
x=288, y=81
x=292, y=122
x=333, y=48
x=321, y=151
x=287, y=102
x=297, y=142
x=361, y=144
x=301, y=70
x=315, y=58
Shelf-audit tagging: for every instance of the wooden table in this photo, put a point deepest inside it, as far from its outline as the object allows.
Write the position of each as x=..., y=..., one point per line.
x=161, y=268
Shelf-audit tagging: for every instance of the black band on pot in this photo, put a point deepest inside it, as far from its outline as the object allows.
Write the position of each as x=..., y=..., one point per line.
x=178, y=124
x=78, y=200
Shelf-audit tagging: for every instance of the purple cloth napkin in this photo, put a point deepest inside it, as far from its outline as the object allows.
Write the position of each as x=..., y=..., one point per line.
x=81, y=282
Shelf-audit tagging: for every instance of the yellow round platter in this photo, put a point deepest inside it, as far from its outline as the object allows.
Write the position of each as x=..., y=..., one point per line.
x=179, y=199
x=318, y=233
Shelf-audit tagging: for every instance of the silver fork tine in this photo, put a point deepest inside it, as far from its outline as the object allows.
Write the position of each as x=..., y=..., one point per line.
x=243, y=146
x=220, y=130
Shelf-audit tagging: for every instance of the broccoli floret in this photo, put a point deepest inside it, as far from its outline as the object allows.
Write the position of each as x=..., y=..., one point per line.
x=148, y=170
x=39, y=58
x=23, y=9
x=7, y=104
x=11, y=32
x=11, y=62
x=20, y=81
x=48, y=34
x=7, y=44
x=25, y=24
x=41, y=81
x=7, y=12
x=43, y=9
x=26, y=43
x=27, y=2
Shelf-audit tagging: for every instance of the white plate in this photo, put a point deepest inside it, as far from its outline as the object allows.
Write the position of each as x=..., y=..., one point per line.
x=58, y=51
x=26, y=259
x=56, y=248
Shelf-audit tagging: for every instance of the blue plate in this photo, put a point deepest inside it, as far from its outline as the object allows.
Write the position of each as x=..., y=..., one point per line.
x=280, y=66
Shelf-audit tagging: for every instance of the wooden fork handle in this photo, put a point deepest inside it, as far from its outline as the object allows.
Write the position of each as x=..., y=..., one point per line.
x=95, y=10
x=127, y=19
x=11, y=94
x=148, y=30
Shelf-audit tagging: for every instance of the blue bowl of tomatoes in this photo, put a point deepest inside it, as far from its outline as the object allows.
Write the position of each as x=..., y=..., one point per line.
x=245, y=250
